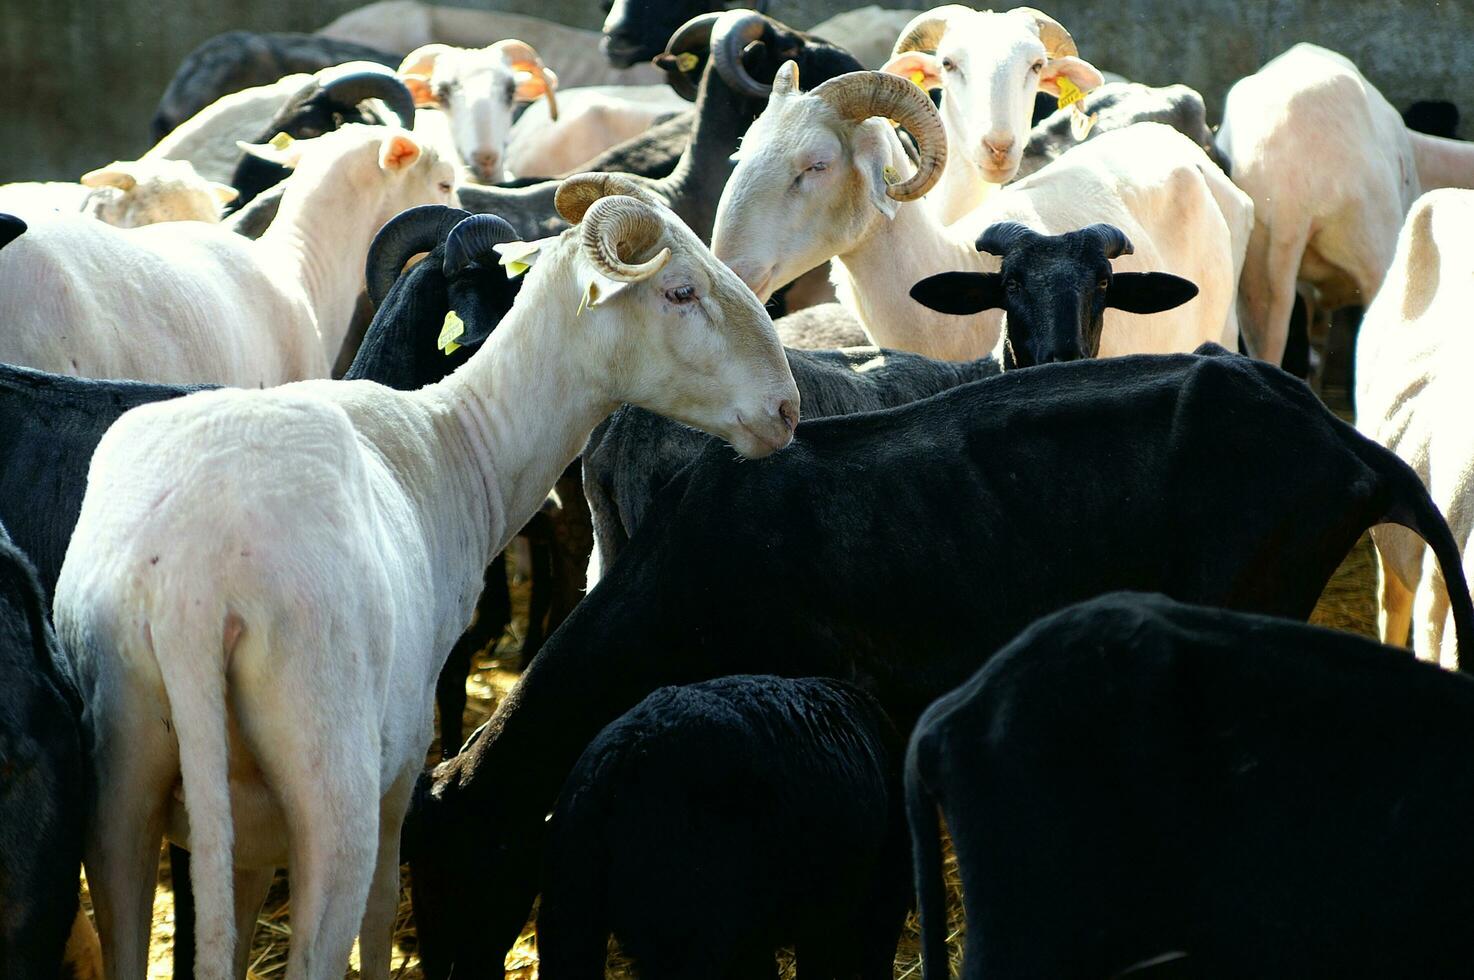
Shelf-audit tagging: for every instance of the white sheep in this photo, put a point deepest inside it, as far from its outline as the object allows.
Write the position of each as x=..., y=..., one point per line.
x=1414, y=372
x=989, y=67
x=820, y=176
x=190, y=302
x=1332, y=171
x=263, y=585
x=474, y=92
x=403, y=25
x=125, y=194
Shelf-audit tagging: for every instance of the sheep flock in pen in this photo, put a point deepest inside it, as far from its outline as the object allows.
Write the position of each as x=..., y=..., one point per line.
x=718, y=499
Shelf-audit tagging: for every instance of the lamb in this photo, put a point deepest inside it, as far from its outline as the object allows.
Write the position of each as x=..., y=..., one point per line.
x=1201, y=788
x=396, y=496
x=713, y=823
x=238, y=60
x=915, y=541
x=403, y=25
x=1055, y=290
x=1333, y=228
x=124, y=194
x=989, y=67
x=1179, y=211
x=1412, y=353
x=474, y=93
x=187, y=302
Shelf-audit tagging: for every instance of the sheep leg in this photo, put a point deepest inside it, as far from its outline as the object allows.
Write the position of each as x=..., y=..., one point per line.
x=1430, y=612
x=1268, y=290
x=493, y=613
x=542, y=590
x=251, y=886
x=124, y=834
x=376, y=935
x=1394, y=606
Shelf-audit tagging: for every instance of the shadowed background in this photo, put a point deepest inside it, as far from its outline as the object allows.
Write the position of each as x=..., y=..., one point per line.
x=79, y=79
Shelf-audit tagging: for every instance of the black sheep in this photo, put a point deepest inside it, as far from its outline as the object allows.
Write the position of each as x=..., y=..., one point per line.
x=899, y=549
x=1134, y=782
x=42, y=780
x=714, y=823
x=1055, y=289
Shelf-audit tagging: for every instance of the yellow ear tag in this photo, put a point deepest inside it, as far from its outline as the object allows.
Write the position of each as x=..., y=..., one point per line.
x=282, y=140
x=1069, y=92
x=889, y=175
x=919, y=78
x=453, y=327
x=590, y=297
x=686, y=61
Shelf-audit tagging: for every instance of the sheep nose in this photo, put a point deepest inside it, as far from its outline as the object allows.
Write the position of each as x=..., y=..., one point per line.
x=788, y=412
x=487, y=164
x=998, y=147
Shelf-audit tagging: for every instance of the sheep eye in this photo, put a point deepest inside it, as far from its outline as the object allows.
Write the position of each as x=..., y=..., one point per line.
x=948, y=64
x=446, y=186
x=818, y=167
x=1012, y=285
x=681, y=294
x=1036, y=67
x=1103, y=285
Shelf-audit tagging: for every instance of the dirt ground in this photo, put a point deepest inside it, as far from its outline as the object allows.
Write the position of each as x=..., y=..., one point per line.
x=1348, y=603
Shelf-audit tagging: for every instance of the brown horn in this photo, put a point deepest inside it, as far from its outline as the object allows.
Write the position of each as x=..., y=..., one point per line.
x=925, y=31
x=1057, y=40
x=577, y=193
x=524, y=57
x=622, y=224
x=733, y=32
x=859, y=95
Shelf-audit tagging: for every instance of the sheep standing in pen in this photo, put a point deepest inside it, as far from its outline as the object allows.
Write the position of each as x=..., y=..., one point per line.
x=1196, y=792
x=1334, y=228
x=714, y=823
x=188, y=302
x=308, y=555
x=1413, y=373
x=843, y=191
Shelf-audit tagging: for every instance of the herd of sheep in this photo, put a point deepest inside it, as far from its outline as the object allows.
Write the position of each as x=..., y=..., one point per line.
x=894, y=412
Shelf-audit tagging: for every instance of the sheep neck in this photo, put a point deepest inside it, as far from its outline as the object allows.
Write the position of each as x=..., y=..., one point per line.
x=874, y=279
x=721, y=119
x=318, y=241
x=1442, y=162
x=960, y=189
x=511, y=420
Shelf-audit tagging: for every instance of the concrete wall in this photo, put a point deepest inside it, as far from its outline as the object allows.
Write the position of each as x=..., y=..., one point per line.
x=79, y=78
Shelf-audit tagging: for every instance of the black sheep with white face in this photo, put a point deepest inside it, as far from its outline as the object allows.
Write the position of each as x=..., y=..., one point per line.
x=1055, y=290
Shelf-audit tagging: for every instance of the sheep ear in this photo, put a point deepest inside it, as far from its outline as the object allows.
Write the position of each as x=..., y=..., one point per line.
x=110, y=176
x=872, y=154
x=224, y=193
x=1082, y=74
x=399, y=152
x=1148, y=292
x=960, y=293
x=920, y=67
x=594, y=289
x=289, y=154
x=419, y=90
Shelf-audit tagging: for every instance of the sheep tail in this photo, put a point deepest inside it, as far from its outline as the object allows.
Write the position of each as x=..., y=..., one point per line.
x=192, y=645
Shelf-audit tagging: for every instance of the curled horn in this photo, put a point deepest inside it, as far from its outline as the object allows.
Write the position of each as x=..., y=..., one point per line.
x=613, y=224
x=1057, y=40
x=406, y=235
x=859, y=95
x=925, y=31
x=1112, y=239
x=471, y=241
x=577, y=193
x=692, y=36
x=1001, y=238
x=524, y=57
x=353, y=88
x=734, y=31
